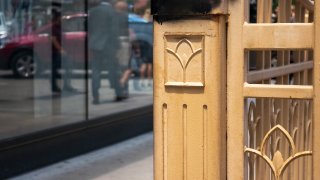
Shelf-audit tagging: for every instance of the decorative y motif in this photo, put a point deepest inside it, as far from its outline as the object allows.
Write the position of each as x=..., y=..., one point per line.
x=184, y=51
x=184, y=59
x=277, y=164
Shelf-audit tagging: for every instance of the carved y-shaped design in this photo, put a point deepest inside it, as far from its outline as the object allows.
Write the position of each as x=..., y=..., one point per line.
x=278, y=165
x=184, y=59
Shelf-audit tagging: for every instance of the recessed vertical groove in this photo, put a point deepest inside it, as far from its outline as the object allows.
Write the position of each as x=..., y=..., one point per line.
x=185, y=145
x=184, y=75
x=203, y=60
x=165, y=141
x=205, y=138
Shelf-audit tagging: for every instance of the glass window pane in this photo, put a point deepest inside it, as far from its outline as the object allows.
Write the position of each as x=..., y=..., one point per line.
x=42, y=74
x=67, y=61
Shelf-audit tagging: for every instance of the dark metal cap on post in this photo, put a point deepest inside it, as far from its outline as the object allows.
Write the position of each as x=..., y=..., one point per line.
x=183, y=7
x=164, y=10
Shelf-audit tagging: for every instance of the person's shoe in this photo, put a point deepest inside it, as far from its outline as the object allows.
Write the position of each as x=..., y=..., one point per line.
x=56, y=90
x=120, y=98
x=141, y=83
x=150, y=83
x=70, y=89
x=95, y=101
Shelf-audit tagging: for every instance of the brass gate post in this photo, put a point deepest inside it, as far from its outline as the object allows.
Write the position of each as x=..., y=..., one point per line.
x=190, y=89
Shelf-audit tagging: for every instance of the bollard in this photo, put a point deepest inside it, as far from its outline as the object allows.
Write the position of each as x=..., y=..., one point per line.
x=190, y=89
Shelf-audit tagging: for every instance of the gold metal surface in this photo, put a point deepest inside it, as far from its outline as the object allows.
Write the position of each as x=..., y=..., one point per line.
x=206, y=87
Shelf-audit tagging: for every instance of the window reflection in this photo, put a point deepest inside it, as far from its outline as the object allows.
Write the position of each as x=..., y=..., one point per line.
x=64, y=62
x=120, y=56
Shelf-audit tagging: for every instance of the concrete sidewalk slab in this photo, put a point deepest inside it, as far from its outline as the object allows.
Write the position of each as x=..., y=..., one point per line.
x=128, y=160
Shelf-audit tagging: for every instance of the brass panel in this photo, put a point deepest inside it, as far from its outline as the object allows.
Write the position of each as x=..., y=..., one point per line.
x=190, y=99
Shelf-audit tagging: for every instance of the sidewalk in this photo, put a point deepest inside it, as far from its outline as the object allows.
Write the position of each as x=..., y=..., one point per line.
x=128, y=160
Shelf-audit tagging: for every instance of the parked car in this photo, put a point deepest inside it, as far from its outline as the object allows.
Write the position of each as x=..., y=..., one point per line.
x=28, y=54
x=3, y=30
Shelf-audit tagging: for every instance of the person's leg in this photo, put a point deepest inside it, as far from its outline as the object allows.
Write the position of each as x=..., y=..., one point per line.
x=56, y=63
x=95, y=75
x=149, y=73
x=125, y=77
x=114, y=78
x=143, y=69
x=118, y=89
x=67, y=65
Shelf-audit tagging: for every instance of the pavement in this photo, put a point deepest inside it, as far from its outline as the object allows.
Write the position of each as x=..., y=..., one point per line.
x=129, y=160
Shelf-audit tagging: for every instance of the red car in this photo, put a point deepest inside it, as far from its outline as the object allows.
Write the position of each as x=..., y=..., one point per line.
x=27, y=54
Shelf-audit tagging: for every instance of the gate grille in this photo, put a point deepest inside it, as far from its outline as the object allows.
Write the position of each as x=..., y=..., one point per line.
x=272, y=101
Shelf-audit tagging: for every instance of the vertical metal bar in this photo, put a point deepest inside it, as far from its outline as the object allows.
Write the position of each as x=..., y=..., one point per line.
x=298, y=79
x=160, y=123
x=309, y=119
x=316, y=100
x=235, y=81
x=283, y=60
x=302, y=120
x=86, y=62
x=308, y=106
x=267, y=102
x=264, y=12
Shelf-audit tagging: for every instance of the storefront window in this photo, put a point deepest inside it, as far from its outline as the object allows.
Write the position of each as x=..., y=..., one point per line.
x=68, y=61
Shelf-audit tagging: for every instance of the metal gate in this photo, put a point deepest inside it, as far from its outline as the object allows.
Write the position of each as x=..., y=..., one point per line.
x=236, y=99
x=273, y=108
